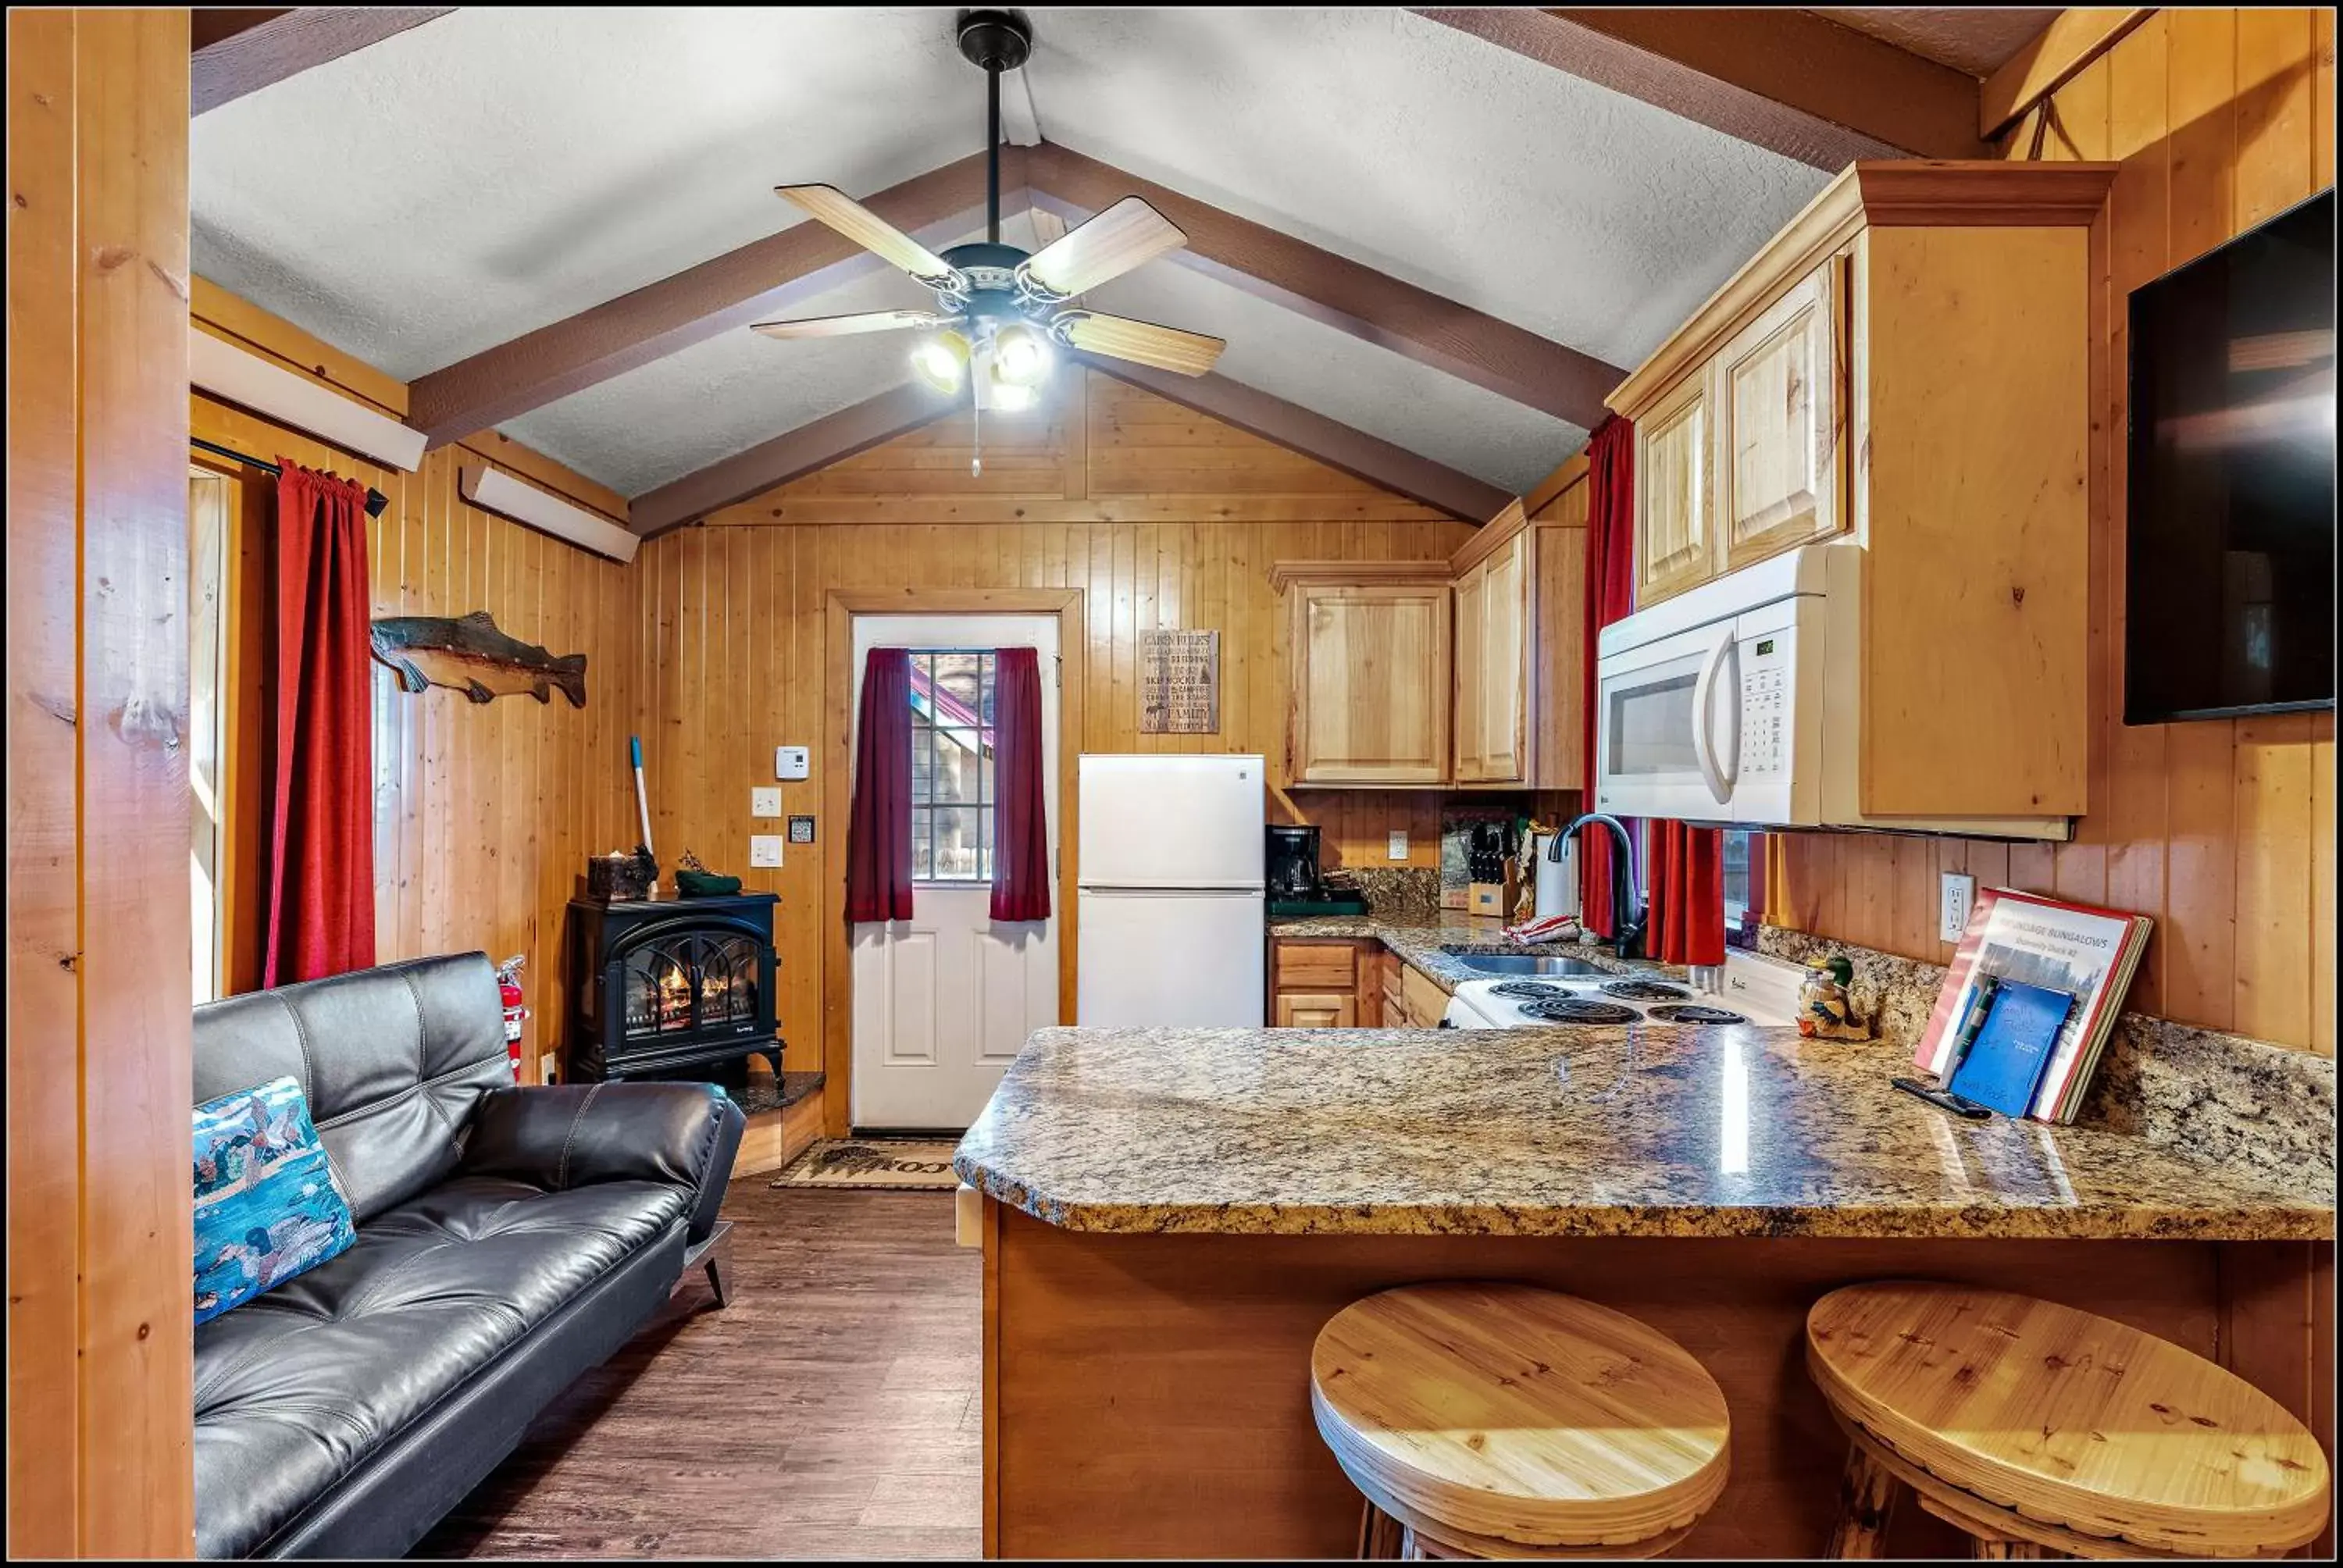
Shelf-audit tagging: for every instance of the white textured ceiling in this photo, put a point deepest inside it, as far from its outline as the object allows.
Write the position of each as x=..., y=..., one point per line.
x=1978, y=39
x=500, y=168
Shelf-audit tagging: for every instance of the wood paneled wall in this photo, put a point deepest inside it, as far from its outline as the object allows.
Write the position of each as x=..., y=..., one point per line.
x=2222, y=831
x=483, y=814
x=99, y=1215
x=1161, y=517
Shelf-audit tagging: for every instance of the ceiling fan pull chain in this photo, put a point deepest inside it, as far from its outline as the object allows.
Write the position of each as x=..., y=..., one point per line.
x=975, y=433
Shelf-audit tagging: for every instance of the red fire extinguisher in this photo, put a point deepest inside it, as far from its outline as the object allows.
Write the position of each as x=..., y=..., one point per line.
x=509, y=987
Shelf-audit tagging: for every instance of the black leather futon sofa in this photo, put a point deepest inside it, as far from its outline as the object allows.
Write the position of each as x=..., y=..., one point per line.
x=509, y=1239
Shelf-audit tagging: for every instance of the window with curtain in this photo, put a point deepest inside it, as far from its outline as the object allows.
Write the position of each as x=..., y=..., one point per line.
x=951, y=698
x=1744, y=885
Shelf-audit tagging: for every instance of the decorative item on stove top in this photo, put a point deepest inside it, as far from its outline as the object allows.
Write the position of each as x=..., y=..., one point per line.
x=1827, y=1007
x=621, y=875
x=695, y=880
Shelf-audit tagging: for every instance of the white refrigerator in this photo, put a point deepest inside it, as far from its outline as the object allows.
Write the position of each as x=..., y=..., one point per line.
x=1171, y=877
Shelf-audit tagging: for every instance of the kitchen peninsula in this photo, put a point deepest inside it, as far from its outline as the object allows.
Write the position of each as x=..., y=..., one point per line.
x=1169, y=1216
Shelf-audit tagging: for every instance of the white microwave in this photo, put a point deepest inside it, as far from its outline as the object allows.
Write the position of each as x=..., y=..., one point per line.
x=1739, y=702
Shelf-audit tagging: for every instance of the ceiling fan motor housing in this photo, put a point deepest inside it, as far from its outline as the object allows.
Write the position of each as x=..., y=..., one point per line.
x=995, y=40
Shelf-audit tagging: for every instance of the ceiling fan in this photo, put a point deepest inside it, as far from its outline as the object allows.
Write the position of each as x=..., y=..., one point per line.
x=999, y=310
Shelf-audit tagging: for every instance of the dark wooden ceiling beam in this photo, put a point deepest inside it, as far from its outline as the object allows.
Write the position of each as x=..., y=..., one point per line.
x=1789, y=81
x=1511, y=361
x=1315, y=436
x=763, y=278
x=233, y=52
x=787, y=456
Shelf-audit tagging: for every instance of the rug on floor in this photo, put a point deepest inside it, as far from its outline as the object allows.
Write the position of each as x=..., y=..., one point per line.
x=868, y=1164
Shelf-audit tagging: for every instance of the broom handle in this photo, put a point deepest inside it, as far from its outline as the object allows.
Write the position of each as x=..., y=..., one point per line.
x=642, y=800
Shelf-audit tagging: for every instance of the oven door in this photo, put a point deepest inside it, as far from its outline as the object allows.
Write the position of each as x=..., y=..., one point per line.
x=1667, y=731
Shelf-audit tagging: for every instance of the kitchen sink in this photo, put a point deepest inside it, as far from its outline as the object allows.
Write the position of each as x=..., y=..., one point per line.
x=1520, y=963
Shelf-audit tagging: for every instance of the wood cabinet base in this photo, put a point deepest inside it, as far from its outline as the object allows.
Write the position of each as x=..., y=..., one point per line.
x=1148, y=1396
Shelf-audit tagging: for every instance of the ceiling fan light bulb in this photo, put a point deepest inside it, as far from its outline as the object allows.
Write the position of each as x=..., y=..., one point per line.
x=1020, y=357
x=940, y=361
x=1011, y=397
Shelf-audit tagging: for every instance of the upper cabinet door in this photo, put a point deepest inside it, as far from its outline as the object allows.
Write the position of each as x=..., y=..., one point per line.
x=1371, y=683
x=1782, y=414
x=1675, y=532
x=1471, y=679
x=1505, y=651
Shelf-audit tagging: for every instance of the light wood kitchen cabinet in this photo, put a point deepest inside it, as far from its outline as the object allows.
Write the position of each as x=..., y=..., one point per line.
x=1368, y=672
x=1907, y=365
x=1779, y=419
x=1493, y=650
x=1317, y=1010
x=1675, y=502
x=1318, y=982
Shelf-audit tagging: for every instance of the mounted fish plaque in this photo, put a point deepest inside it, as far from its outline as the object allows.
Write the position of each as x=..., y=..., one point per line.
x=471, y=655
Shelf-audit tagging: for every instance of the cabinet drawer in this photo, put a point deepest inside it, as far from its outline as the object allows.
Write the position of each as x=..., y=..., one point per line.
x=1317, y=1011
x=1317, y=966
x=1425, y=998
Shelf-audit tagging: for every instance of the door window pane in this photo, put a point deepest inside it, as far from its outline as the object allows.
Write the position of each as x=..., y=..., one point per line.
x=951, y=765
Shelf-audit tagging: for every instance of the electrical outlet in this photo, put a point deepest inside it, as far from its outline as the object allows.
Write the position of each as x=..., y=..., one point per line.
x=791, y=762
x=1955, y=896
x=546, y=1066
x=1397, y=849
x=764, y=849
x=765, y=801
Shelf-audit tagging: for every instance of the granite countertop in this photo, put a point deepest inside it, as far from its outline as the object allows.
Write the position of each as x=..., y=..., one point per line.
x=1648, y=1130
x=1420, y=944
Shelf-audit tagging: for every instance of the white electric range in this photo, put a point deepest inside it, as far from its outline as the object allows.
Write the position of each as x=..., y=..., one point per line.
x=1755, y=990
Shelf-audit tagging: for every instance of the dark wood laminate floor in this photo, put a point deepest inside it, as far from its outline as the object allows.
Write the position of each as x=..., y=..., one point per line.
x=831, y=1411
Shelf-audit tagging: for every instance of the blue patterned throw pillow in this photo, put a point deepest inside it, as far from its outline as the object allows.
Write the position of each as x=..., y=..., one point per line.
x=267, y=1204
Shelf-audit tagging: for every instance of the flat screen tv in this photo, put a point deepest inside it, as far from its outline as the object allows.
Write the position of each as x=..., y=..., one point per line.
x=2229, y=548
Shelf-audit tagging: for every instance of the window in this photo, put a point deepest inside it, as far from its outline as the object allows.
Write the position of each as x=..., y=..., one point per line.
x=1744, y=885
x=207, y=529
x=951, y=765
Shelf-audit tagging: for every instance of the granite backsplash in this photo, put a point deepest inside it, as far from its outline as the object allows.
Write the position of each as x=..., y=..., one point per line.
x=2224, y=1095
x=1399, y=895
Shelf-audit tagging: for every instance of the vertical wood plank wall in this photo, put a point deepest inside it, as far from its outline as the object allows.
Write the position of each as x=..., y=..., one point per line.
x=1161, y=516
x=99, y=1226
x=2222, y=831
x=483, y=814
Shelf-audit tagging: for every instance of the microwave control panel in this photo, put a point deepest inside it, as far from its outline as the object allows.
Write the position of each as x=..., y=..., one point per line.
x=1764, y=702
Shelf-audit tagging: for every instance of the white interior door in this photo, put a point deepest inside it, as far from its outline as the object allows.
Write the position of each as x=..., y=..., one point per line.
x=944, y=1000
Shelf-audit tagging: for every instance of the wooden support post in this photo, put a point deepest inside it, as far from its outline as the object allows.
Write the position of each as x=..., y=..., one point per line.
x=1866, y=1501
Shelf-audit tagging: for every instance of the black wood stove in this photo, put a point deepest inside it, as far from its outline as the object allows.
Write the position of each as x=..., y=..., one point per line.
x=671, y=988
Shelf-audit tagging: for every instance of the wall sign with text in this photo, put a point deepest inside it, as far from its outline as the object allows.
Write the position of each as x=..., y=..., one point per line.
x=1179, y=682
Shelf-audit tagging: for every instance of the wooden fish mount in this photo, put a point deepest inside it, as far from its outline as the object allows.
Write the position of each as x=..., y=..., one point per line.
x=469, y=655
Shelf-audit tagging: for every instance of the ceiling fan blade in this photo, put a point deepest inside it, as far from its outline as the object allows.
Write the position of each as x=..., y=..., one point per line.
x=846, y=326
x=1143, y=342
x=829, y=205
x=1119, y=238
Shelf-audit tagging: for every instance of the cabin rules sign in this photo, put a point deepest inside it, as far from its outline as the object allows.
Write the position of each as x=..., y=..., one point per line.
x=1179, y=682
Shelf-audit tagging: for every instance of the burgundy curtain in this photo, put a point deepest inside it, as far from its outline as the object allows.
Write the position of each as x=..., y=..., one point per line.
x=1687, y=923
x=1609, y=596
x=320, y=868
x=1021, y=830
x=879, y=832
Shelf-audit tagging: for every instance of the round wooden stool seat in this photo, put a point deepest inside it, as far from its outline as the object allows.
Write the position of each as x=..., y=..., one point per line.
x=2060, y=1418
x=1491, y=1416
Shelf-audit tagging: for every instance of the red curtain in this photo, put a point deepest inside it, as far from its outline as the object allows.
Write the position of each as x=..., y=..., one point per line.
x=1609, y=596
x=1021, y=830
x=1687, y=920
x=879, y=832
x=320, y=868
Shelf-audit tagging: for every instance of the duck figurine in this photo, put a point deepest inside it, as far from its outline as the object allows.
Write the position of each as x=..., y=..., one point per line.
x=1827, y=1002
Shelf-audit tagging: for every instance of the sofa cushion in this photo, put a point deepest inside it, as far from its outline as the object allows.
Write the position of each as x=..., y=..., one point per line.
x=296, y=1388
x=391, y=1059
x=267, y=1208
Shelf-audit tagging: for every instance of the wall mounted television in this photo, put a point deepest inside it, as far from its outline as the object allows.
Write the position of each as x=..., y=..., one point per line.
x=2229, y=542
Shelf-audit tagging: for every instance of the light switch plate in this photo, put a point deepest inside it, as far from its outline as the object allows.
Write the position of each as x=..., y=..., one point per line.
x=1397, y=848
x=764, y=801
x=764, y=849
x=547, y=1066
x=1955, y=896
x=791, y=762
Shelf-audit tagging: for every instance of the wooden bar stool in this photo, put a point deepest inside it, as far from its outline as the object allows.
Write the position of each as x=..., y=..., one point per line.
x=1484, y=1420
x=2042, y=1430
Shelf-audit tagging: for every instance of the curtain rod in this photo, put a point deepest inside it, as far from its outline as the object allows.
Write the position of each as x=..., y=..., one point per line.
x=376, y=499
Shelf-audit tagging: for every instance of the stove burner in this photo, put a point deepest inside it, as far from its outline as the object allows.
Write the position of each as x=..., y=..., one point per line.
x=1528, y=991
x=1644, y=991
x=1693, y=1012
x=1578, y=1009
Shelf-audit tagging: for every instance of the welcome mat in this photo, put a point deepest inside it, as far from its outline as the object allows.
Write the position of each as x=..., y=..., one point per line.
x=875, y=1164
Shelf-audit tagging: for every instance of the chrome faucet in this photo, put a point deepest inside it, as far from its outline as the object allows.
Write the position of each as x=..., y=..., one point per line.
x=1626, y=902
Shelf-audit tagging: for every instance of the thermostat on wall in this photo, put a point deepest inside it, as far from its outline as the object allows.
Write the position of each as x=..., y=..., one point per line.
x=790, y=762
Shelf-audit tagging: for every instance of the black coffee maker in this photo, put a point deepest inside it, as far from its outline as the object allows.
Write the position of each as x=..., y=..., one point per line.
x=1294, y=863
